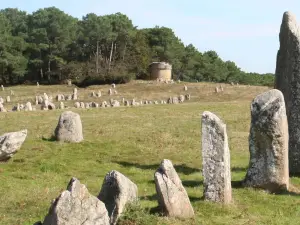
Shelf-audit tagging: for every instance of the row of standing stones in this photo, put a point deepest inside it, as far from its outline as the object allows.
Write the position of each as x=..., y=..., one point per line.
x=273, y=146
x=46, y=101
x=268, y=168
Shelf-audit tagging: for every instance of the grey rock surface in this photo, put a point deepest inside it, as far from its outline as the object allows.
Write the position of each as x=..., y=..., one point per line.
x=216, y=159
x=268, y=143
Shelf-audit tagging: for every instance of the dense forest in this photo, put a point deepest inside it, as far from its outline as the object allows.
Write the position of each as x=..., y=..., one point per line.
x=51, y=46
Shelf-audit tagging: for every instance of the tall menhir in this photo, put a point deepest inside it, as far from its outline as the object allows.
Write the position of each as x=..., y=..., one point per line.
x=287, y=80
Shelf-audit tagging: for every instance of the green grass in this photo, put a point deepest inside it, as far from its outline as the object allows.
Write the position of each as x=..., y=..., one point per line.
x=134, y=140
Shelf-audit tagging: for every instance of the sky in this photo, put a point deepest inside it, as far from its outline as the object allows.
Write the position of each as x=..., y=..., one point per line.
x=246, y=32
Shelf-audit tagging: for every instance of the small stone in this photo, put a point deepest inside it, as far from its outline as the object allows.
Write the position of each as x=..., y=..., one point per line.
x=173, y=199
x=181, y=98
x=61, y=105
x=116, y=192
x=76, y=206
x=28, y=107
x=115, y=103
x=10, y=143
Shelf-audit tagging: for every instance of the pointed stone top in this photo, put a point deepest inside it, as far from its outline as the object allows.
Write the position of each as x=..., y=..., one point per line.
x=210, y=115
x=289, y=21
x=288, y=16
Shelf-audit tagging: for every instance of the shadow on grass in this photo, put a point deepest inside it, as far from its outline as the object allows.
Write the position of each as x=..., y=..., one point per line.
x=182, y=168
x=237, y=184
x=238, y=169
x=50, y=139
x=192, y=183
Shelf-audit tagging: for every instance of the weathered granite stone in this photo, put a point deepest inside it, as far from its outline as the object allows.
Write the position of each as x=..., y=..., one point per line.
x=181, y=98
x=10, y=143
x=287, y=80
x=69, y=127
x=215, y=159
x=115, y=103
x=76, y=206
x=117, y=191
x=172, y=197
x=28, y=107
x=268, y=143
x=61, y=105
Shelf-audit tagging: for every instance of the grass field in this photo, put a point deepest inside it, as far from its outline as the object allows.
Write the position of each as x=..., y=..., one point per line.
x=134, y=140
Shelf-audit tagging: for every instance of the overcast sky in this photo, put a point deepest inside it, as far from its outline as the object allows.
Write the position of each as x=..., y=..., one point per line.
x=245, y=32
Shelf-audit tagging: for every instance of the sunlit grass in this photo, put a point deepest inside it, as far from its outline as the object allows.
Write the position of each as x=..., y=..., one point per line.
x=134, y=140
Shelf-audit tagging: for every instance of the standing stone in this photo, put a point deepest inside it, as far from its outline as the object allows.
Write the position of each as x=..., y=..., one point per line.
x=113, y=86
x=58, y=97
x=181, y=98
x=71, y=96
x=69, y=82
x=104, y=104
x=74, y=95
x=115, y=103
x=287, y=80
x=185, y=88
x=69, y=127
x=10, y=143
x=46, y=96
x=37, y=84
x=82, y=105
x=93, y=94
x=173, y=199
x=16, y=108
x=7, y=98
x=2, y=108
x=133, y=103
x=215, y=159
x=110, y=91
x=28, y=106
x=217, y=90
x=76, y=206
x=99, y=94
x=2, y=87
x=175, y=100
x=12, y=93
x=1, y=100
x=87, y=105
x=268, y=143
x=61, y=105
x=117, y=191
x=77, y=105
x=187, y=97
x=126, y=103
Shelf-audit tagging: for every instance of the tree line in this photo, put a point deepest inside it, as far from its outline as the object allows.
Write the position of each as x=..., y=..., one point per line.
x=50, y=46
